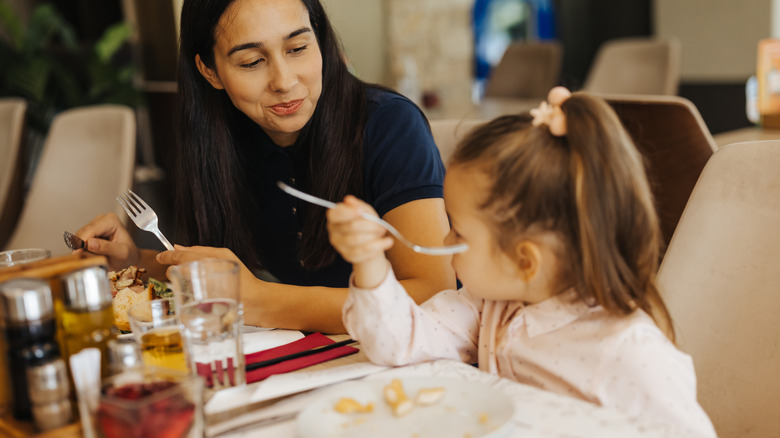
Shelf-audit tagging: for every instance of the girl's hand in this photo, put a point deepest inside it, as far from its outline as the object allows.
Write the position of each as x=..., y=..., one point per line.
x=105, y=235
x=359, y=241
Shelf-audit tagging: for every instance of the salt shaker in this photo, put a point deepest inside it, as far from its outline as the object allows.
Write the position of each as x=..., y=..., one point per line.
x=29, y=329
x=49, y=391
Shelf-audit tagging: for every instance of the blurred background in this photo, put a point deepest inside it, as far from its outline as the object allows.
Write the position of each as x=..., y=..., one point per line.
x=437, y=52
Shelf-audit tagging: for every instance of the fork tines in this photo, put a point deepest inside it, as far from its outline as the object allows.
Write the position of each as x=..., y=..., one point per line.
x=131, y=203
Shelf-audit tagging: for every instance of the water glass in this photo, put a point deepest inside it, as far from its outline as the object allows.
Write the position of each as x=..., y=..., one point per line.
x=207, y=293
x=156, y=328
x=15, y=257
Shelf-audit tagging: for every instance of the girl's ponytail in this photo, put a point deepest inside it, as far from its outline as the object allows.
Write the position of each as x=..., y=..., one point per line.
x=617, y=232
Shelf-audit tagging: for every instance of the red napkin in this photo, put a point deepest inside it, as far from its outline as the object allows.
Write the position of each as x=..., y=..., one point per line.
x=311, y=341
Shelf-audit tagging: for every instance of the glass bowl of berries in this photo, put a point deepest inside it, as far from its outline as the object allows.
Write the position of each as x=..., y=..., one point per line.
x=152, y=402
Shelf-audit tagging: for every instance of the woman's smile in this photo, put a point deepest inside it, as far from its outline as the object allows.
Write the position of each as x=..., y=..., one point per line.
x=287, y=108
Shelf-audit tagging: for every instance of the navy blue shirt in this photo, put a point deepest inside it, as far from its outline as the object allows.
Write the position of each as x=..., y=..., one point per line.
x=402, y=164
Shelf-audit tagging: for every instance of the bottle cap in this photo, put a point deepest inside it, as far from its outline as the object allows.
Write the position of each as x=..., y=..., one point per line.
x=87, y=289
x=123, y=354
x=48, y=382
x=25, y=299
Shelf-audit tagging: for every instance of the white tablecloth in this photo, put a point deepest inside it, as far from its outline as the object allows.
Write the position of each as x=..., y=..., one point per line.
x=537, y=413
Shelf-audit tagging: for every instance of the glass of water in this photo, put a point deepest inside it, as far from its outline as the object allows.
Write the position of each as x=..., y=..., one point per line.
x=211, y=314
x=15, y=257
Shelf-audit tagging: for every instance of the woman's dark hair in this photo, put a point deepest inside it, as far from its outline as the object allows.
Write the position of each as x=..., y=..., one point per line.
x=588, y=188
x=211, y=184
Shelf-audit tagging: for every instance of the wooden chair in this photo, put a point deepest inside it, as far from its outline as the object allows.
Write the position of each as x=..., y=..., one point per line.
x=720, y=281
x=448, y=132
x=676, y=144
x=13, y=115
x=635, y=66
x=87, y=160
x=526, y=70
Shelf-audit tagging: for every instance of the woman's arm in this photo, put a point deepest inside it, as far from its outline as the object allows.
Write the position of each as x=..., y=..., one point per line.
x=319, y=308
x=424, y=222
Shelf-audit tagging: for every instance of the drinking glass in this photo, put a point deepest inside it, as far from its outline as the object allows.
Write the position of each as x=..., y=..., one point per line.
x=211, y=313
x=156, y=328
x=154, y=402
x=21, y=256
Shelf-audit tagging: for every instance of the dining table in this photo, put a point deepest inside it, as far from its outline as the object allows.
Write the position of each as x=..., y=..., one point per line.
x=271, y=407
x=749, y=133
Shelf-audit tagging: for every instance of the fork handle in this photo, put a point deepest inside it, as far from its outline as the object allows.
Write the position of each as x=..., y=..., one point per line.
x=164, y=241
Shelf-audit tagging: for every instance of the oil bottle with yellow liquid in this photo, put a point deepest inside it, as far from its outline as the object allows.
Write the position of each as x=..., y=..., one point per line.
x=87, y=319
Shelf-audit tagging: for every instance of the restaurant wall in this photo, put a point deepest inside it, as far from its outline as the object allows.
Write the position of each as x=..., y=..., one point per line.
x=361, y=27
x=719, y=41
x=718, y=37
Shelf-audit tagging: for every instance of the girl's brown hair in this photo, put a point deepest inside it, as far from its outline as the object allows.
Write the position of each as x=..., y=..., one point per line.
x=589, y=188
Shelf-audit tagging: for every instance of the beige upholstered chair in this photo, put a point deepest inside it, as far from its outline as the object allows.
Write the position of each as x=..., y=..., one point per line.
x=721, y=282
x=448, y=132
x=636, y=66
x=87, y=160
x=526, y=70
x=676, y=144
x=12, y=162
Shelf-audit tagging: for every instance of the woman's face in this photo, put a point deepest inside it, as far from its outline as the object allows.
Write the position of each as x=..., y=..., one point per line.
x=269, y=63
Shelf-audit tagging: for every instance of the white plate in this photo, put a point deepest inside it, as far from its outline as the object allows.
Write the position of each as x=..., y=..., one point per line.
x=467, y=409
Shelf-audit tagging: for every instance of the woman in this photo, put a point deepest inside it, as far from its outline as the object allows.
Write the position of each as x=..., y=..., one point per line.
x=265, y=95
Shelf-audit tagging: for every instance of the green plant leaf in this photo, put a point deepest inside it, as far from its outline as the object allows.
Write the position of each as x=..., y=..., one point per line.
x=46, y=24
x=30, y=79
x=12, y=24
x=112, y=40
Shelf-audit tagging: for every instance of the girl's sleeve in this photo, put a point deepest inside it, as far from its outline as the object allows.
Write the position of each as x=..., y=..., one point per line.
x=648, y=377
x=394, y=330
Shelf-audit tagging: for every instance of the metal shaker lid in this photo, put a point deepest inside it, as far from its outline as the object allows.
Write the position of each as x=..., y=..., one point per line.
x=26, y=299
x=123, y=354
x=86, y=289
x=48, y=383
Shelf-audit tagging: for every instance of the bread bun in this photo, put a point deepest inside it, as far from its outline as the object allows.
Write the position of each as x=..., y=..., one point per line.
x=124, y=300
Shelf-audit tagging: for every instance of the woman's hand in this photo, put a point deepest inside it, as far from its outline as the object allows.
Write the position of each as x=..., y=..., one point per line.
x=361, y=242
x=184, y=254
x=106, y=235
x=251, y=290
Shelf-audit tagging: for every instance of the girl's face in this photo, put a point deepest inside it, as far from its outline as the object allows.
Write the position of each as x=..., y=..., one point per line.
x=484, y=269
x=269, y=63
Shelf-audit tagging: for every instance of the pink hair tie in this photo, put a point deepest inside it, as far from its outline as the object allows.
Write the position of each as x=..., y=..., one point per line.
x=551, y=114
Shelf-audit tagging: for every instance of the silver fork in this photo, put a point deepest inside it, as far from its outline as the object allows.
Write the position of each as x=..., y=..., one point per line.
x=143, y=216
x=430, y=250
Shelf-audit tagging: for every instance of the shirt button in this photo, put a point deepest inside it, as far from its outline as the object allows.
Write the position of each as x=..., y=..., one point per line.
x=292, y=180
x=301, y=262
x=294, y=210
x=300, y=235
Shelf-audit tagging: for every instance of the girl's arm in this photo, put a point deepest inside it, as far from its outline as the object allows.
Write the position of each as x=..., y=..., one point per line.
x=394, y=330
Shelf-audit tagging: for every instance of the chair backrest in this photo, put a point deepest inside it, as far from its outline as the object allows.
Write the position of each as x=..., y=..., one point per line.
x=720, y=281
x=13, y=113
x=448, y=132
x=636, y=66
x=526, y=70
x=676, y=144
x=87, y=160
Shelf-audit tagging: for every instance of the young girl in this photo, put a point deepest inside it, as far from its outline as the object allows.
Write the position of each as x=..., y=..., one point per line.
x=559, y=279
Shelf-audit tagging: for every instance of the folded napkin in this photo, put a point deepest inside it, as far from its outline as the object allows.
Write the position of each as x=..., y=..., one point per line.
x=311, y=341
